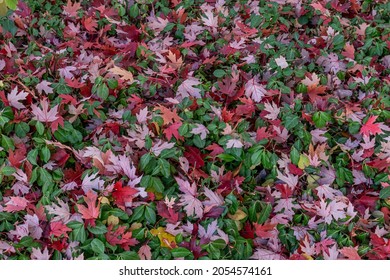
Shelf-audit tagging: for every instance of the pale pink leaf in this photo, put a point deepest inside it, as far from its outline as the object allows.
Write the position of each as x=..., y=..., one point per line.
x=44, y=114
x=254, y=90
x=234, y=143
x=44, y=86
x=188, y=88
x=15, y=204
x=201, y=130
x=161, y=146
x=37, y=254
x=14, y=98
x=281, y=62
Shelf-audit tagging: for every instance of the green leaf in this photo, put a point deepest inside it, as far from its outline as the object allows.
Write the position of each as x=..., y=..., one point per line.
x=385, y=193
x=256, y=20
x=256, y=158
x=78, y=233
x=291, y=122
x=7, y=143
x=265, y=213
x=8, y=170
x=45, y=154
x=138, y=214
x=157, y=185
x=45, y=179
x=26, y=241
x=102, y=91
x=165, y=167
x=32, y=156
x=150, y=215
x=128, y=255
x=21, y=129
x=12, y=4
x=98, y=229
x=219, y=73
x=97, y=246
x=180, y=252
x=145, y=159
x=218, y=244
x=294, y=155
x=3, y=120
x=40, y=128
x=320, y=119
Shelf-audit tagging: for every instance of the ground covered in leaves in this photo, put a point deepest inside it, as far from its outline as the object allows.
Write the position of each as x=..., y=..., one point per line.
x=195, y=129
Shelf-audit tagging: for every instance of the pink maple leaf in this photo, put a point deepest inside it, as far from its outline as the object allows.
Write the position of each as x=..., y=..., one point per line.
x=350, y=252
x=15, y=204
x=290, y=179
x=145, y=253
x=161, y=146
x=187, y=88
x=201, y=130
x=61, y=211
x=37, y=254
x=71, y=9
x=234, y=143
x=44, y=114
x=210, y=20
x=254, y=90
x=214, y=198
x=281, y=62
x=44, y=86
x=272, y=109
x=193, y=206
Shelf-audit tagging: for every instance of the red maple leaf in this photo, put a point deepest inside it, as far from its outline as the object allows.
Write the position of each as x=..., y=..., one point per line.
x=215, y=149
x=194, y=157
x=59, y=228
x=173, y=130
x=90, y=24
x=92, y=211
x=370, y=127
x=247, y=109
x=123, y=194
x=262, y=133
x=119, y=237
x=169, y=213
x=16, y=158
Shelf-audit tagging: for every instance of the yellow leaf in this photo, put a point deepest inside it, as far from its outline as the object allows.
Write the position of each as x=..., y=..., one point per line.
x=166, y=239
x=303, y=162
x=307, y=256
x=312, y=181
x=3, y=8
x=239, y=225
x=104, y=200
x=239, y=215
x=135, y=226
x=124, y=74
x=112, y=220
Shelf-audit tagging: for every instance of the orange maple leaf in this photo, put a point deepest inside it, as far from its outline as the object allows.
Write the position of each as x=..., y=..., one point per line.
x=92, y=211
x=168, y=115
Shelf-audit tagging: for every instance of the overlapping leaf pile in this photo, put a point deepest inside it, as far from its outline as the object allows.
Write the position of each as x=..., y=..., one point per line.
x=197, y=130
